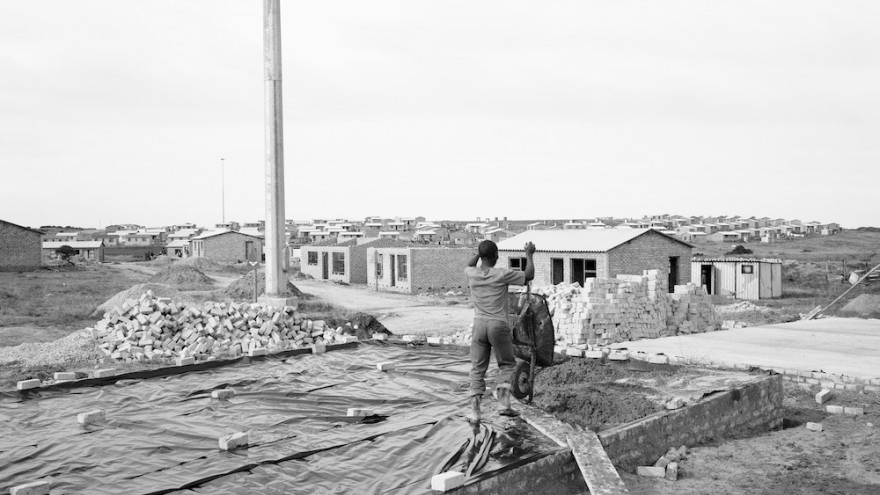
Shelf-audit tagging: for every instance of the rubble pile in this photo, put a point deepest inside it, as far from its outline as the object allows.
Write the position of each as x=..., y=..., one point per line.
x=629, y=307
x=156, y=328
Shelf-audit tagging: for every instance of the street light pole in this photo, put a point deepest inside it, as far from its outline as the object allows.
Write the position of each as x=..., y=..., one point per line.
x=276, y=279
x=223, y=190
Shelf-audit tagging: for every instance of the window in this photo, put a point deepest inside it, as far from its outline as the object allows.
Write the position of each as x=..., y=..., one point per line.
x=748, y=269
x=379, y=262
x=582, y=269
x=401, y=267
x=313, y=257
x=339, y=263
x=517, y=264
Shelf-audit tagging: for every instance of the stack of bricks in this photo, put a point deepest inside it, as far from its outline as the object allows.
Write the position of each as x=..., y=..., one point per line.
x=155, y=328
x=629, y=307
x=690, y=311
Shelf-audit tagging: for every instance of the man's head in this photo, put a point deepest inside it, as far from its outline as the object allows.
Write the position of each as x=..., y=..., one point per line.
x=488, y=252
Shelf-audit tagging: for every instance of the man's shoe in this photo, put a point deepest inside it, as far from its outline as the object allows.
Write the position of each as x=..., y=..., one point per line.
x=504, y=401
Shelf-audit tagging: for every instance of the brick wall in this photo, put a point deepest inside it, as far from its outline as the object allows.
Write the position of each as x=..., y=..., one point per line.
x=440, y=268
x=229, y=247
x=385, y=283
x=20, y=248
x=743, y=411
x=355, y=263
x=650, y=251
x=544, y=264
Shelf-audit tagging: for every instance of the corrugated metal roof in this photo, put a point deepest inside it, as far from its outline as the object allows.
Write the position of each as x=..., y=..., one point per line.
x=73, y=244
x=177, y=243
x=736, y=260
x=576, y=241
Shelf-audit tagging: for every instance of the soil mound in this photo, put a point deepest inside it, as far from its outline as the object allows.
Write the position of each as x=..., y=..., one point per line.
x=203, y=264
x=243, y=288
x=583, y=392
x=864, y=305
x=181, y=275
x=367, y=325
x=162, y=259
x=135, y=292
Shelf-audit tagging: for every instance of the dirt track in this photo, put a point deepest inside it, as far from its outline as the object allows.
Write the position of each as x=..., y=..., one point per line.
x=401, y=314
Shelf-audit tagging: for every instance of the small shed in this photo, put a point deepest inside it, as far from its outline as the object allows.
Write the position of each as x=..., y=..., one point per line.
x=19, y=247
x=741, y=278
x=577, y=254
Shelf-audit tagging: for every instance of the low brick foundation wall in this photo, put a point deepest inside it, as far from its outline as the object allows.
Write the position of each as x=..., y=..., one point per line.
x=749, y=409
x=556, y=473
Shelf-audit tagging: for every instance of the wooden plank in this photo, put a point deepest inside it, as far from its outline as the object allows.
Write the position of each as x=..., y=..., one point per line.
x=596, y=467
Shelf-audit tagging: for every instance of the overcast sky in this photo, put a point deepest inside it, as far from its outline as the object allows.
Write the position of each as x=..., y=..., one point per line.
x=120, y=112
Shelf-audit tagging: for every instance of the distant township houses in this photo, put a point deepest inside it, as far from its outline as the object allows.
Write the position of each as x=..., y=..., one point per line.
x=240, y=241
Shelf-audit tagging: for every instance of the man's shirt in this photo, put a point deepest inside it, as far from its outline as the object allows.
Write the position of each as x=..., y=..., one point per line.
x=489, y=290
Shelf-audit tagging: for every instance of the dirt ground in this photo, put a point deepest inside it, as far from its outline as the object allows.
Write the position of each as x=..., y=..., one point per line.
x=844, y=458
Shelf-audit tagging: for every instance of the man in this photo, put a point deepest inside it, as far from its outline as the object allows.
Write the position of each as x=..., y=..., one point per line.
x=491, y=331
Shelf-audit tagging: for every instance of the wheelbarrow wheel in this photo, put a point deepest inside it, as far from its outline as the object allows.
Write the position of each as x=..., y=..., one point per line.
x=521, y=387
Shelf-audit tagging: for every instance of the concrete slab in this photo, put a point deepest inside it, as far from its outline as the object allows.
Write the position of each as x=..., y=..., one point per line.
x=841, y=346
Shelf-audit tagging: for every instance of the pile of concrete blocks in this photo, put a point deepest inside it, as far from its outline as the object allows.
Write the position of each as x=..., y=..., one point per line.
x=157, y=328
x=629, y=307
x=690, y=311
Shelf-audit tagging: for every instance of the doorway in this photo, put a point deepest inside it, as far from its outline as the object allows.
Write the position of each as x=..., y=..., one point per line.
x=557, y=272
x=706, y=278
x=393, y=272
x=325, y=265
x=673, y=273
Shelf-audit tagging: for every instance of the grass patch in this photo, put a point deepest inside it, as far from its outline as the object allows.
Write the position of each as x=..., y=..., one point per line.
x=62, y=299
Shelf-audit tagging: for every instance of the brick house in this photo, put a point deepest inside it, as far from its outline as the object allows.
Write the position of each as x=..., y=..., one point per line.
x=87, y=250
x=574, y=255
x=20, y=247
x=227, y=246
x=413, y=269
x=341, y=262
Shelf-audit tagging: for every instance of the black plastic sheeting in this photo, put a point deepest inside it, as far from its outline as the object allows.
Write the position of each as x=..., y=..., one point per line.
x=161, y=434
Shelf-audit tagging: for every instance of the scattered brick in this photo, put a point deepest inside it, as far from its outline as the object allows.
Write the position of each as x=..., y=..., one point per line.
x=834, y=409
x=262, y=351
x=574, y=352
x=823, y=396
x=618, y=356
x=233, y=441
x=28, y=384
x=104, y=373
x=319, y=348
x=90, y=417
x=672, y=471
x=65, y=375
x=357, y=411
x=447, y=481
x=814, y=426
x=662, y=462
x=223, y=394
x=855, y=411
x=186, y=361
x=34, y=488
x=651, y=471
x=386, y=365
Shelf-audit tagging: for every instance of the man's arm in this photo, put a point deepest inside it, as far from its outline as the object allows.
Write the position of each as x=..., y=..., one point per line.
x=473, y=261
x=530, y=265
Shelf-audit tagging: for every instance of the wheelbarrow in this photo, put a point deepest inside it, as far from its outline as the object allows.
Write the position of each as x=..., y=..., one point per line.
x=533, y=340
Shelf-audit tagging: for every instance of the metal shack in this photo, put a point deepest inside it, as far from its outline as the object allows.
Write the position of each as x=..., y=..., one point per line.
x=741, y=278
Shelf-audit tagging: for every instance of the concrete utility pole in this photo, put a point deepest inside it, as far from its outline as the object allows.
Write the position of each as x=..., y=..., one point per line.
x=276, y=278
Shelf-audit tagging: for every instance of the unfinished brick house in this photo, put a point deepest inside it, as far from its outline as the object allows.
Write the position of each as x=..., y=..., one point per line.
x=227, y=246
x=574, y=255
x=341, y=262
x=20, y=247
x=416, y=269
